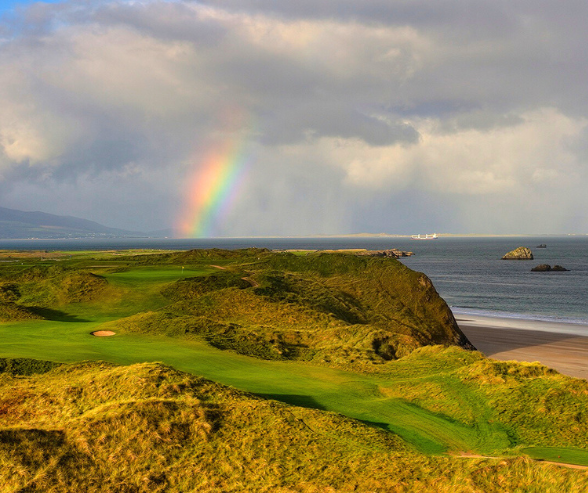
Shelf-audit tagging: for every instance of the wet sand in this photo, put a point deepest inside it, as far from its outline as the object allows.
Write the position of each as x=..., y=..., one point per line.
x=557, y=345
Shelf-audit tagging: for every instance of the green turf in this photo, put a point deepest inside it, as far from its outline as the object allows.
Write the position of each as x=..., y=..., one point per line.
x=558, y=454
x=151, y=275
x=348, y=393
x=436, y=399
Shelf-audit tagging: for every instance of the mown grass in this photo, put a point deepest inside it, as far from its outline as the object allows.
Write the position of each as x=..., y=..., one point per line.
x=558, y=454
x=330, y=332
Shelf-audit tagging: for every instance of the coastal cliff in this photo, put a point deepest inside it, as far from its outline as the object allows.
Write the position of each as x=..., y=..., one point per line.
x=337, y=309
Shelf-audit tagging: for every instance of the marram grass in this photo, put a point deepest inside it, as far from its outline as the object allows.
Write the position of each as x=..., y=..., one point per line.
x=147, y=427
x=363, y=355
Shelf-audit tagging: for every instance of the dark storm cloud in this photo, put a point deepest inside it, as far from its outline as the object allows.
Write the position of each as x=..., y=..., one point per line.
x=310, y=120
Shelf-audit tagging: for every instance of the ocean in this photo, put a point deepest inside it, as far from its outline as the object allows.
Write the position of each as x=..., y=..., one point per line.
x=467, y=271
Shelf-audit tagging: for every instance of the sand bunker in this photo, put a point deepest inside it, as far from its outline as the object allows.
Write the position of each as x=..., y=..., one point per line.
x=103, y=333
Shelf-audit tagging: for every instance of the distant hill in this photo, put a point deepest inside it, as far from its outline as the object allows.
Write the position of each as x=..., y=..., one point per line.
x=21, y=224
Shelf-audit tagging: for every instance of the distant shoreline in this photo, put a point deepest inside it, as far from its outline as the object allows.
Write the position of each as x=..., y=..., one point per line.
x=300, y=237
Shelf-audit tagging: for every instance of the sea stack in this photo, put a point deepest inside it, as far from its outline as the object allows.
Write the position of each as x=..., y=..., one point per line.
x=520, y=253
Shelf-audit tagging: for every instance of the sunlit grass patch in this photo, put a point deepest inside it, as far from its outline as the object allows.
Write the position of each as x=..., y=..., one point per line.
x=558, y=454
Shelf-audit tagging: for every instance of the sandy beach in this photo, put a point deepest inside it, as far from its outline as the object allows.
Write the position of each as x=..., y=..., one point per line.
x=557, y=345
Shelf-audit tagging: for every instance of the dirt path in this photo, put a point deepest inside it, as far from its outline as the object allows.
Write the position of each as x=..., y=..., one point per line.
x=253, y=282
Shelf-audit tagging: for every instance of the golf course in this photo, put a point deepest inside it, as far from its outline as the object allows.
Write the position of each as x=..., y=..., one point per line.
x=337, y=335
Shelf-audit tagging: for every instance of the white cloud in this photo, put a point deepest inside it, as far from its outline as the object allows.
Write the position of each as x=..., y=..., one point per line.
x=470, y=161
x=360, y=107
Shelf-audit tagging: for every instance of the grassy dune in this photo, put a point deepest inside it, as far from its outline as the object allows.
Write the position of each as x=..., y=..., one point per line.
x=364, y=338
x=147, y=427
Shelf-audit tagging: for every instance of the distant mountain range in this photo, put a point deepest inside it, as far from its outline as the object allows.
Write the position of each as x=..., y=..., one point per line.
x=21, y=224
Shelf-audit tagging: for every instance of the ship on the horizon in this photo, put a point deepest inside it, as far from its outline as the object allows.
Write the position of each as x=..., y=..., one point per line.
x=426, y=237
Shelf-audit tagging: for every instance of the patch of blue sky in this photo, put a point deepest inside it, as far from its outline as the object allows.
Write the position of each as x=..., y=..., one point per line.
x=7, y=6
x=11, y=6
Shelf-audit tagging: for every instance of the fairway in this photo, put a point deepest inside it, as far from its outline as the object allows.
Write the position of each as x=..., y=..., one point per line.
x=355, y=395
x=149, y=275
x=558, y=454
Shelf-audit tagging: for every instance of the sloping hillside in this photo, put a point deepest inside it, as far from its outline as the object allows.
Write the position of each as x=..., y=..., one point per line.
x=97, y=427
x=333, y=308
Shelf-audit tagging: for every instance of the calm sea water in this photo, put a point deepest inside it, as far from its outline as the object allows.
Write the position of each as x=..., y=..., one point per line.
x=467, y=272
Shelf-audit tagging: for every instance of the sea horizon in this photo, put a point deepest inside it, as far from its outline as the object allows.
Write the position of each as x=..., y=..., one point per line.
x=313, y=236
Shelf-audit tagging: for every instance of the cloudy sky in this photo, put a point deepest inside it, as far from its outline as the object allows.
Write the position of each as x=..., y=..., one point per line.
x=321, y=117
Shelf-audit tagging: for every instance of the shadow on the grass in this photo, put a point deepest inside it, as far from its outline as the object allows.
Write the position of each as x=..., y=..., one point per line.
x=295, y=400
x=55, y=315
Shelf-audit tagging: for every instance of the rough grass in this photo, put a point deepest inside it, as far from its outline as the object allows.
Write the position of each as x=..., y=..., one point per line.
x=25, y=366
x=546, y=408
x=62, y=289
x=332, y=308
x=10, y=312
x=193, y=287
x=373, y=318
x=97, y=427
x=426, y=398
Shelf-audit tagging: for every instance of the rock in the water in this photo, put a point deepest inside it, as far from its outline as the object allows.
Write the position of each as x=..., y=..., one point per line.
x=547, y=268
x=543, y=245
x=393, y=252
x=520, y=253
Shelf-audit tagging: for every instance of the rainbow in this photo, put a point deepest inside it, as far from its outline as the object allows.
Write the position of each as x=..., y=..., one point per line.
x=213, y=185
